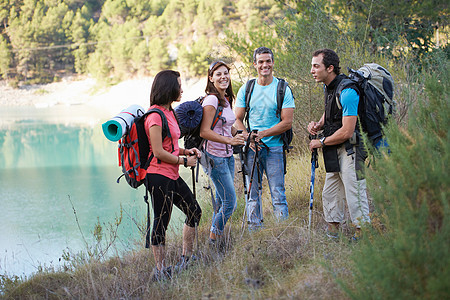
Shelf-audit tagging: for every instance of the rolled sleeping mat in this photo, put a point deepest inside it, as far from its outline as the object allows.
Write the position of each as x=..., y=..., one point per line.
x=116, y=127
x=189, y=115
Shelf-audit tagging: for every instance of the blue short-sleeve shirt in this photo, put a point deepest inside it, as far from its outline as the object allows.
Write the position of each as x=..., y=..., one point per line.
x=349, y=101
x=263, y=108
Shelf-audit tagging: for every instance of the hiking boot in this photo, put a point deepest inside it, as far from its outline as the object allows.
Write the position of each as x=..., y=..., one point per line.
x=162, y=275
x=333, y=235
x=355, y=238
x=185, y=262
x=213, y=244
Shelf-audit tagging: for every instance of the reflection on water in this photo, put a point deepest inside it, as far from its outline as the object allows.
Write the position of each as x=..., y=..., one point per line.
x=45, y=145
x=44, y=170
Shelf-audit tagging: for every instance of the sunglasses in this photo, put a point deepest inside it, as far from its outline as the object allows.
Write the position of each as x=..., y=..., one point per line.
x=215, y=63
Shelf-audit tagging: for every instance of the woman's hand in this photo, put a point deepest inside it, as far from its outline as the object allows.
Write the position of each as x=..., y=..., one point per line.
x=237, y=140
x=191, y=160
x=193, y=152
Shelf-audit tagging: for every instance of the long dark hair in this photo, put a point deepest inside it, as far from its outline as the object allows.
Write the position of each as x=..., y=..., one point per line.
x=165, y=88
x=211, y=89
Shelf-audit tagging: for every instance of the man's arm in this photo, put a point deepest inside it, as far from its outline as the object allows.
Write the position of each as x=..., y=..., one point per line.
x=349, y=101
x=340, y=136
x=343, y=133
x=239, y=124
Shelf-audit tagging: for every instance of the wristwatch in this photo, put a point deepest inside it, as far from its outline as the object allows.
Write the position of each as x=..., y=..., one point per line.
x=185, y=161
x=322, y=141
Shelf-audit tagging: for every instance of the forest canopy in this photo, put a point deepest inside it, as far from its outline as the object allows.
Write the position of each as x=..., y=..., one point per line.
x=43, y=40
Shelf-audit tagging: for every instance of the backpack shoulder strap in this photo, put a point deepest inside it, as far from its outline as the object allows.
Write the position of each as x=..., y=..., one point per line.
x=165, y=130
x=281, y=90
x=345, y=84
x=248, y=93
x=217, y=116
x=165, y=124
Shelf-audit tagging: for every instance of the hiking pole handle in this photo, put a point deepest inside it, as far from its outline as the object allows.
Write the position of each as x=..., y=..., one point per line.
x=314, y=154
x=314, y=158
x=193, y=177
x=255, y=131
x=238, y=148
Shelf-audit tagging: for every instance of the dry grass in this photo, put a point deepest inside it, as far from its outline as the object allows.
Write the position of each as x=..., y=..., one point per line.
x=282, y=261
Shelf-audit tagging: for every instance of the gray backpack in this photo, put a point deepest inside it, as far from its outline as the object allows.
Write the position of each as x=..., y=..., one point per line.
x=376, y=90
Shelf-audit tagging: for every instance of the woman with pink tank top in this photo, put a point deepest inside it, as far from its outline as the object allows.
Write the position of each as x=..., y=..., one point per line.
x=164, y=183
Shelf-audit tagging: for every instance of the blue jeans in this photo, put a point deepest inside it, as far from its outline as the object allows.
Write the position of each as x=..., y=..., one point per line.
x=270, y=161
x=222, y=175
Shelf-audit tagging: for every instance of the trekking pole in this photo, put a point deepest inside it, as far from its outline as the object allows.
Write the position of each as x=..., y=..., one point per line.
x=251, y=176
x=259, y=183
x=195, y=198
x=209, y=164
x=147, y=233
x=314, y=165
x=193, y=183
x=244, y=176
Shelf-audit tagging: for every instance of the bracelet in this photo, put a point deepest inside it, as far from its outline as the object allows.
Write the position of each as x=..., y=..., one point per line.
x=178, y=160
x=185, y=161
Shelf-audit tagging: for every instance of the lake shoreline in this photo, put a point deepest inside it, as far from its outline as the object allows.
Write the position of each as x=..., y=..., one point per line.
x=74, y=96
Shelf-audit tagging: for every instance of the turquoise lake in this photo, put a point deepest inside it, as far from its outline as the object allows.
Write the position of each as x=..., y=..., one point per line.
x=57, y=181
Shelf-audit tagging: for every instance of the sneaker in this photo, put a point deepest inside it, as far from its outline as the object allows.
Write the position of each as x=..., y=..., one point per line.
x=162, y=275
x=334, y=235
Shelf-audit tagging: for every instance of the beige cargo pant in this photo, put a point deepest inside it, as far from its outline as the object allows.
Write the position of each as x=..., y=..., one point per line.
x=341, y=186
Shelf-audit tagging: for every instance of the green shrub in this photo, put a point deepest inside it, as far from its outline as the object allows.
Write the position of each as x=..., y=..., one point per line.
x=407, y=257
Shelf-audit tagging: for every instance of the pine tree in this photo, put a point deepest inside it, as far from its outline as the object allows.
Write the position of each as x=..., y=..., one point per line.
x=5, y=57
x=407, y=253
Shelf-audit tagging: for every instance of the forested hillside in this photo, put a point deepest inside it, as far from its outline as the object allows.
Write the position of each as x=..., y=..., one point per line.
x=403, y=254
x=44, y=39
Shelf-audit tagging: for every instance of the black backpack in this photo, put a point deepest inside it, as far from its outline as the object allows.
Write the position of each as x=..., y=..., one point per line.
x=376, y=90
x=189, y=115
x=286, y=136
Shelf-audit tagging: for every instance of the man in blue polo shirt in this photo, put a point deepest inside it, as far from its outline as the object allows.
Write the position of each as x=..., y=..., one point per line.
x=341, y=157
x=263, y=117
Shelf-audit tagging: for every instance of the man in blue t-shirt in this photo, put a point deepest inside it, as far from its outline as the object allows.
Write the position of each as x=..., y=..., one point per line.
x=340, y=155
x=264, y=119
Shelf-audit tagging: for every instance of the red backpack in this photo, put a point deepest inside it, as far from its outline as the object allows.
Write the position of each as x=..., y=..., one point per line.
x=134, y=159
x=134, y=149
